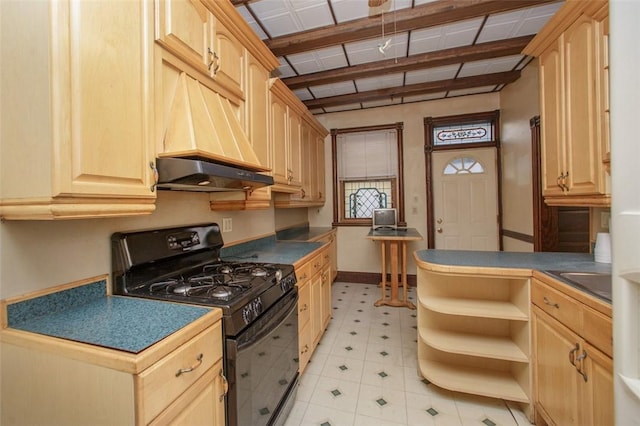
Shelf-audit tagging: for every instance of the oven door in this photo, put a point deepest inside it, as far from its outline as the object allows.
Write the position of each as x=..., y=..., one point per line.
x=262, y=365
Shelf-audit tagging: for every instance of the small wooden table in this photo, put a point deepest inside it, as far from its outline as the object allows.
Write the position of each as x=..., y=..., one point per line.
x=397, y=259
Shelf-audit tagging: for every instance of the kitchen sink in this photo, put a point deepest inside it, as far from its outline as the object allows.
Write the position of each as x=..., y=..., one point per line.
x=593, y=282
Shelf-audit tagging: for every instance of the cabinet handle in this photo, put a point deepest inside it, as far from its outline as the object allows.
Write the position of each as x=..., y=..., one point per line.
x=550, y=303
x=225, y=386
x=153, y=167
x=582, y=356
x=304, y=194
x=304, y=308
x=305, y=350
x=213, y=59
x=193, y=367
x=564, y=184
x=572, y=354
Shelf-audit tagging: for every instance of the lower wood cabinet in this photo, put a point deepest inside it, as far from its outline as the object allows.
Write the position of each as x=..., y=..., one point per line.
x=573, y=376
x=185, y=386
x=314, y=302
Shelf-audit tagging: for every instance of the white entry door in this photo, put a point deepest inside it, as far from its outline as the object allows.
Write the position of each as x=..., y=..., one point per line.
x=465, y=197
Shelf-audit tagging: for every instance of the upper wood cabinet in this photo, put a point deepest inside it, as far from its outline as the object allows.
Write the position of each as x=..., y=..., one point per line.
x=298, y=151
x=574, y=104
x=189, y=30
x=77, y=105
x=214, y=74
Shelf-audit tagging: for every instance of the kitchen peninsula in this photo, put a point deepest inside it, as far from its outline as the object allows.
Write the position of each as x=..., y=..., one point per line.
x=488, y=324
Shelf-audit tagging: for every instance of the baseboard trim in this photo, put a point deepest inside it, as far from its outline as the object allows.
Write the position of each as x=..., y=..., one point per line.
x=370, y=278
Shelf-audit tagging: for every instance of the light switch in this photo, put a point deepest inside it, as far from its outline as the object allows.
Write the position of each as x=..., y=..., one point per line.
x=227, y=224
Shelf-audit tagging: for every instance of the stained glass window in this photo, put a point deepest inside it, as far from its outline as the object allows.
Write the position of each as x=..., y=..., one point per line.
x=455, y=134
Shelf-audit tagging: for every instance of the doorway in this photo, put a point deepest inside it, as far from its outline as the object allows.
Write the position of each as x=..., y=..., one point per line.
x=462, y=162
x=465, y=201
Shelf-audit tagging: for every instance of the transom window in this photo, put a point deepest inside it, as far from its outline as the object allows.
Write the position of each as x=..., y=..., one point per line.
x=463, y=165
x=367, y=172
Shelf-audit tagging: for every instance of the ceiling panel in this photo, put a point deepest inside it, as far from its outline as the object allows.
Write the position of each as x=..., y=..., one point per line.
x=333, y=57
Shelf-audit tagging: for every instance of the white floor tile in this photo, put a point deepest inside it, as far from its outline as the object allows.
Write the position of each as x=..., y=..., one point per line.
x=382, y=403
x=320, y=415
x=364, y=372
x=336, y=394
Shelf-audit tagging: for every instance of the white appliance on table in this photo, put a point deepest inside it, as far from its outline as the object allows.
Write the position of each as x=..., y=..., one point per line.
x=624, y=55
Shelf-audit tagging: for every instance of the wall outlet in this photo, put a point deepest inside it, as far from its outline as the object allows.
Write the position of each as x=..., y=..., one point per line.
x=227, y=224
x=604, y=220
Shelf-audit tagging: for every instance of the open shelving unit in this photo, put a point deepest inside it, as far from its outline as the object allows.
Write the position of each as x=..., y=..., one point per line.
x=473, y=333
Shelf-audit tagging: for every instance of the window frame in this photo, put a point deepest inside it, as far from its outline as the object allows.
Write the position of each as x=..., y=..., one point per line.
x=338, y=189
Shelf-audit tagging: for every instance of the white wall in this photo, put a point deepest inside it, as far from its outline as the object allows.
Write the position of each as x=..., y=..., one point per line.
x=35, y=255
x=355, y=252
x=519, y=102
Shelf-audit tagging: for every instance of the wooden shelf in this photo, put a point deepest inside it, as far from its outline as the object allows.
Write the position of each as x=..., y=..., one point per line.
x=474, y=307
x=496, y=347
x=491, y=383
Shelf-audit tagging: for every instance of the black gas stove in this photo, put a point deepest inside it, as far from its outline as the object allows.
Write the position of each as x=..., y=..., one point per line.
x=184, y=265
x=258, y=302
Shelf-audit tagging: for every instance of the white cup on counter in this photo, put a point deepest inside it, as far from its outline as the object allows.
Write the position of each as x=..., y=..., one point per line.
x=602, y=250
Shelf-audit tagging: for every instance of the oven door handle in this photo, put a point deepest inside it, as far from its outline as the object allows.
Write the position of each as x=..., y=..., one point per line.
x=261, y=329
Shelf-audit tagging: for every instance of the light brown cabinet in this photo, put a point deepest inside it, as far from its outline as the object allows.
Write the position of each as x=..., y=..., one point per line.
x=77, y=110
x=191, y=31
x=573, y=368
x=573, y=104
x=179, y=380
x=297, y=156
x=314, y=302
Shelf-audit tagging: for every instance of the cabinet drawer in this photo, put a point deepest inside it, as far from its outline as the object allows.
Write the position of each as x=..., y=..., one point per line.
x=317, y=263
x=597, y=330
x=558, y=305
x=304, y=305
x=159, y=385
x=303, y=273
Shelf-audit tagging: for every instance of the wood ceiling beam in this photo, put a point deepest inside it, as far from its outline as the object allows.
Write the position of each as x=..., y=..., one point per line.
x=416, y=89
x=456, y=55
x=423, y=16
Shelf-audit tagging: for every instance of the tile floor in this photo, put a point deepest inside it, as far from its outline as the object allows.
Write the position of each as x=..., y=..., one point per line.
x=364, y=373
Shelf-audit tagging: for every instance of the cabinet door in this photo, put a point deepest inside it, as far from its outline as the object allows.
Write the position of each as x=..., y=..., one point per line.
x=583, y=116
x=279, y=131
x=230, y=59
x=295, y=149
x=551, y=114
x=319, y=186
x=325, y=291
x=558, y=386
x=316, y=308
x=257, y=111
x=599, y=384
x=185, y=28
x=102, y=99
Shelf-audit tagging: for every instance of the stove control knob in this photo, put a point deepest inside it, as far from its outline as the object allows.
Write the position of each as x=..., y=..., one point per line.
x=258, y=306
x=247, y=315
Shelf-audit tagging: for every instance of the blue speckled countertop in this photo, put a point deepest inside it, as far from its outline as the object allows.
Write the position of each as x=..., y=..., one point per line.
x=87, y=314
x=544, y=262
x=579, y=262
x=269, y=250
x=302, y=233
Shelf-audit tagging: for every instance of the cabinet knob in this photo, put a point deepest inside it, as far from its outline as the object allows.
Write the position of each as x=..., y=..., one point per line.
x=225, y=386
x=213, y=59
x=193, y=367
x=439, y=230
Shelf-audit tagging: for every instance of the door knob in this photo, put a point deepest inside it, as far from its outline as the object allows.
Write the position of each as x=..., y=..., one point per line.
x=439, y=230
